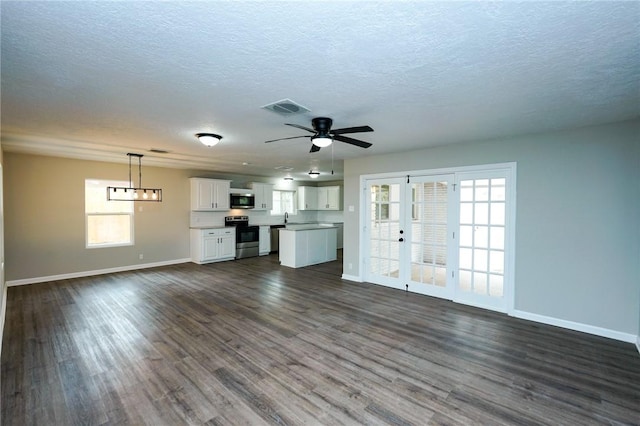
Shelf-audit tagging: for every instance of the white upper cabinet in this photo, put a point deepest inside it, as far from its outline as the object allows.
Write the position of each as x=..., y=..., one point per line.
x=329, y=198
x=307, y=198
x=209, y=194
x=319, y=198
x=264, y=195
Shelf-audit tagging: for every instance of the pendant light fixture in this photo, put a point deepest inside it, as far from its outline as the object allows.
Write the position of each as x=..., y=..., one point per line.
x=119, y=193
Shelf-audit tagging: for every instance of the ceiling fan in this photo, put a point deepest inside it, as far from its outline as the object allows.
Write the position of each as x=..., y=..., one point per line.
x=323, y=135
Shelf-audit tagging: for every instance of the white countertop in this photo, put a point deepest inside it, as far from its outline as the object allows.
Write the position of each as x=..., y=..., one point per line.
x=210, y=227
x=307, y=227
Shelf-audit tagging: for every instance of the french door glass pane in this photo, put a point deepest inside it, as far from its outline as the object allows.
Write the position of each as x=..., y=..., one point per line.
x=428, y=238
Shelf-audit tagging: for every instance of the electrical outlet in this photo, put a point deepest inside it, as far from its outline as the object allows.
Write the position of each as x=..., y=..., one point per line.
x=140, y=256
x=352, y=208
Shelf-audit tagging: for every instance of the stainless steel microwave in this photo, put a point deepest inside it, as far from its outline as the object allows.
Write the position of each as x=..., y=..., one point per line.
x=242, y=200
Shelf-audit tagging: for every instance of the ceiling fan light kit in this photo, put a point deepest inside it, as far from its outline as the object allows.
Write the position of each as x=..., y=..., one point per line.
x=121, y=193
x=208, y=139
x=321, y=141
x=314, y=174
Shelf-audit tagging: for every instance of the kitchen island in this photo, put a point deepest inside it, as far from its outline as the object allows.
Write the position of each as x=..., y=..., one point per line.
x=307, y=245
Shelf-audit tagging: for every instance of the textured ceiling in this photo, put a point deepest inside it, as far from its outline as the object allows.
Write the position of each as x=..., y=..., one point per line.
x=100, y=79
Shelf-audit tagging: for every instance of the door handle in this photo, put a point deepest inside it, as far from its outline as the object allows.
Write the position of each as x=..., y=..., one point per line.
x=401, y=239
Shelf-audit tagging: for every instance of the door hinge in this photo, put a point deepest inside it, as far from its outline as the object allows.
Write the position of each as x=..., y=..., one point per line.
x=407, y=178
x=454, y=187
x=454, y=235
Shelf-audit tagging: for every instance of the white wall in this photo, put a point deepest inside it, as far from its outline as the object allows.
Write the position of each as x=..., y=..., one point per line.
x=578, y=215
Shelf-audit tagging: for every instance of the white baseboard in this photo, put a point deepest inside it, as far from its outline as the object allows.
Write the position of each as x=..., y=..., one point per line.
x=585, y=328
x=95, y=272
x=351, y=278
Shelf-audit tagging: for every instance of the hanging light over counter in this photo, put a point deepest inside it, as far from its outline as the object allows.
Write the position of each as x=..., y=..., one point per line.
x=119, y=193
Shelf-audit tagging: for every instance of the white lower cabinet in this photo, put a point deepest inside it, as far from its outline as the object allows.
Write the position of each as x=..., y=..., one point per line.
x=213, y=244
x=265, y=240
x=303, y=247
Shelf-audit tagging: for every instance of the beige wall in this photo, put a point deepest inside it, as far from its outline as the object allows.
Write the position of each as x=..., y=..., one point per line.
x=45, y=223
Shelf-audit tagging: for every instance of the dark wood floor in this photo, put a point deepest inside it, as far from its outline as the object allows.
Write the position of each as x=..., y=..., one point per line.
x=250, y=342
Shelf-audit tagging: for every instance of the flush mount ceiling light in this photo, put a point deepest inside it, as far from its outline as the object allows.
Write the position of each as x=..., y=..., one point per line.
x=208, y=139
x=321, y=141
x=288, y=178
x=314, y=174
x=119, y=193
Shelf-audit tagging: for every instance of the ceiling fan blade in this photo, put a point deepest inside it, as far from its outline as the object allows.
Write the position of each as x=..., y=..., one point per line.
x=356, y=142
x=282, y=139
x=314, y=148
x=300, y=127
x=356, y=129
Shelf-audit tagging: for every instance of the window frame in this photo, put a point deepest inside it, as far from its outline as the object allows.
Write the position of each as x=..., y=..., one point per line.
x=104, y=184
x=293, y=211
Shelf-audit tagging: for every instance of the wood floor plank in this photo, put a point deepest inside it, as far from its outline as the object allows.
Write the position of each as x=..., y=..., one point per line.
x=249, y=342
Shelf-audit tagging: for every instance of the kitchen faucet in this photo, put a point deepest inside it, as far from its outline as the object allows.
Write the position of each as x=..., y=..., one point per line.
x=286, y=217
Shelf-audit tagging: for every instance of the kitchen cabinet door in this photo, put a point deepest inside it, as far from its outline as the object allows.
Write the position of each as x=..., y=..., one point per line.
x=265, y=240
x=227, y=246
x=212, y=245
x=307, y=198
x=264, y=195
x=329, y=198
x=209, y=194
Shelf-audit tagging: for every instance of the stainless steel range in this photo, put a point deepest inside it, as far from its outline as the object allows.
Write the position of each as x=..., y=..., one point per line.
x=247, y=237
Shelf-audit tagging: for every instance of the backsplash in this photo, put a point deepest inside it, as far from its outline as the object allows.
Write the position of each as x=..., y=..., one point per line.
x=261, y=217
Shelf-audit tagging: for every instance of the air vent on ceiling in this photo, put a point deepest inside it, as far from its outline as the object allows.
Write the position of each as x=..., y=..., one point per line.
x=286, y=107
x=284, y=168
x=158, y=151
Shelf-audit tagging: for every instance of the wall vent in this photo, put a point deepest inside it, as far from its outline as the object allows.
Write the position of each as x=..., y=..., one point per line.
x=286, y=107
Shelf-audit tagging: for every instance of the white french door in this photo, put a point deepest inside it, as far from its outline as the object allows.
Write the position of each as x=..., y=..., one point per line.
x=428, y=242
x=385, y=209
x=443, y=235
x=408, y=228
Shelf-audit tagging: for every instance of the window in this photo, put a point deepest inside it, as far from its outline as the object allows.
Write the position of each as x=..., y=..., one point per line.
x=108, y=223
x=380, y=195
x=283, y=201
